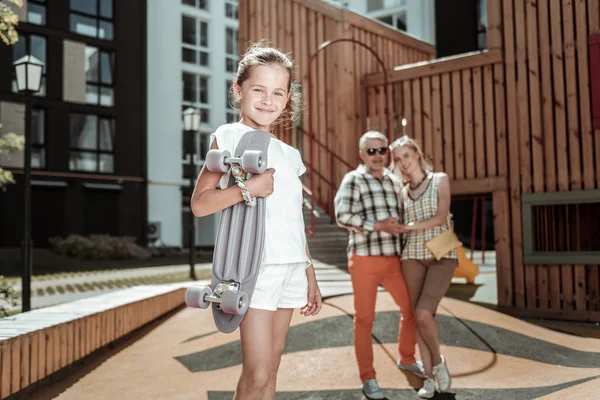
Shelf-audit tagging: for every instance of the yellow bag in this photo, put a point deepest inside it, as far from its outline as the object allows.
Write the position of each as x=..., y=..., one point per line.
x=442, y=244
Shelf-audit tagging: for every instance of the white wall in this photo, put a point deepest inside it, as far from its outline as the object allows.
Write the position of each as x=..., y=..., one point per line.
x=164, y=119
x=165, y=106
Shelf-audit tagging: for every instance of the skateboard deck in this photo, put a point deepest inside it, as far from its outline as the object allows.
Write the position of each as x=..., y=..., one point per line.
x=240, y=239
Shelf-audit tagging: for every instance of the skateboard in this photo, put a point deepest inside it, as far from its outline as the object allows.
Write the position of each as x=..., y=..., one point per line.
x=240, y=237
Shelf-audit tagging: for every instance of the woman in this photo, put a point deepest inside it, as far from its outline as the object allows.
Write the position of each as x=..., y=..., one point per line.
x=426, y=199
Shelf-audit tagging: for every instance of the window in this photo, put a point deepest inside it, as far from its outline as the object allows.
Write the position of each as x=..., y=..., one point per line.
x=201, y=4
x=36, y=46
x=195, y=94
x=231, y=9
x=36, y=12
x=196, y=143
x=92, y=143
x=38, y=138
x=232, y=114
x=375, y=5
x=92, y=18
x=231, y=49
x=99, y=77
x=482, y=24
x=194, y=36
x=561, y=227
x=398, y=21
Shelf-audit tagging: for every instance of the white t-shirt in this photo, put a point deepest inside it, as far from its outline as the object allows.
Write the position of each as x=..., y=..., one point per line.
x=285, y=239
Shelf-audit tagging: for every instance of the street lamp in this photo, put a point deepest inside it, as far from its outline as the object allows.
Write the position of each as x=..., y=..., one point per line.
x=28, y=71
x=191, y=124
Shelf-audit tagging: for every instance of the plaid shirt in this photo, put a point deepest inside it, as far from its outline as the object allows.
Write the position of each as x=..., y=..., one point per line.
x=362, y=200
x=420, y=209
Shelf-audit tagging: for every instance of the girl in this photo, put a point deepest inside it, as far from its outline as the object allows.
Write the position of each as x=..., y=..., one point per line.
x=426, y=199
x=263, y=90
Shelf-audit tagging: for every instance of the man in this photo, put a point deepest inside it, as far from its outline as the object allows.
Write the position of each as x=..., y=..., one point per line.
x=367, y=205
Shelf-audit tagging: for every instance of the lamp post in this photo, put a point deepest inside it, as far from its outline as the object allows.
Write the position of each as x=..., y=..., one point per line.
x=191, y=124
x=28, y=71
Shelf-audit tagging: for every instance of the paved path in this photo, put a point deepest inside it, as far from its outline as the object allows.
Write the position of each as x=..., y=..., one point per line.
x=491, y=356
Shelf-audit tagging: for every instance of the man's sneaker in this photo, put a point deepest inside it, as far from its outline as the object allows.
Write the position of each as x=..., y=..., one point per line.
x=442, y=376
x=371, y=389
x=416, y=368
x=428, y=389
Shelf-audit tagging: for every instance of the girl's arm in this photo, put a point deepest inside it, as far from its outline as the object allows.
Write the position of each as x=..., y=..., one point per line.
x=314, y=300
x=441, y=216
x=207, y=199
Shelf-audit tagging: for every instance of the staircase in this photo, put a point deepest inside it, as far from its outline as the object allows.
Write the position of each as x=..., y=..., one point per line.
x=330, y=242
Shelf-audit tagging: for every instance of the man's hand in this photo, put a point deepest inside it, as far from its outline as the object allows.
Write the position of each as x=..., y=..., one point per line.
x=390, y=225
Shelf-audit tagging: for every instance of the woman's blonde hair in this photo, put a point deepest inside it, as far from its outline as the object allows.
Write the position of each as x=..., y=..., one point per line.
x=411, y=144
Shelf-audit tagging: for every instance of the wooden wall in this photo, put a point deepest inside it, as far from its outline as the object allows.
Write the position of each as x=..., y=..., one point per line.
x=518, y=112
x=299, y=27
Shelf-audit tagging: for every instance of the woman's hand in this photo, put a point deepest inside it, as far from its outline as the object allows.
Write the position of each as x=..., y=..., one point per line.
x=314, y=304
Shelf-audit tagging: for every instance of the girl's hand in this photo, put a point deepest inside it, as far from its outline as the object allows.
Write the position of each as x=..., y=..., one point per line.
x=314, y=298
x=261, y=185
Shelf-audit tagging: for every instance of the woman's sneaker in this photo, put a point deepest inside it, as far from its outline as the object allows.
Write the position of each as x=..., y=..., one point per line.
x=371, y=389
x=428, y=389
x=442, y=376
x=416, y=368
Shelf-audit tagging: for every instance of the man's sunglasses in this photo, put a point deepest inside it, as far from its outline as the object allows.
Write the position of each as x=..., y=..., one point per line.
x=381, y=150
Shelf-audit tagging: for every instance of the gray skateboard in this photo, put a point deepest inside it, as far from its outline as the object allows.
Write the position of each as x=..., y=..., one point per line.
x=240, y=237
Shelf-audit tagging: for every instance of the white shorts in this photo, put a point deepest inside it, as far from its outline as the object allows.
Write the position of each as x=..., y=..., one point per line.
x=280, y=286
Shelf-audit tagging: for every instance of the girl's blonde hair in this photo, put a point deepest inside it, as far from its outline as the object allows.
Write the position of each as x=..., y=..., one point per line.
x=262, y=54
x=411, y=144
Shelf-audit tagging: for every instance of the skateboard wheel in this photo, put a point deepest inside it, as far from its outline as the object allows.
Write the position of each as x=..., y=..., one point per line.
x=235, y=302
x=253, y=161
x=195, y=296
x=215, y=160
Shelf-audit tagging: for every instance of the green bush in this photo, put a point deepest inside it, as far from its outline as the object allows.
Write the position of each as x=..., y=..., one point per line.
x=99, y=247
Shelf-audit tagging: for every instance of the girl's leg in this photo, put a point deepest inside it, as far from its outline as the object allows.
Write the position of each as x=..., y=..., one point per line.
x=281, y=323
x=414, y=276
x=437, y=281
x=257, y=348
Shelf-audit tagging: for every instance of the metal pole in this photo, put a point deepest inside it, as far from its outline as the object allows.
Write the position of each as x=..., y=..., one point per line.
x=192, y=231
x=27, y=243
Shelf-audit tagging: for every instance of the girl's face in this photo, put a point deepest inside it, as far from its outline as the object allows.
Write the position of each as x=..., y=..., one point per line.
x=406, y=159
x=263, y=95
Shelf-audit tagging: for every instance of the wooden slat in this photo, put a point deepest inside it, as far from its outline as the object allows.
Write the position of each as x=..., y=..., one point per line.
x=594, y=27
x=436, y=67
x=447, y=126
x=490, y=122
x=407, y=107
x=417, y=112
x=585, y=112
x=534, y=98
x=514, y=158
x=479, y=124
x=15, y=365
x=5, y=368
x=467, y=107
x=562, y=163
x=494, y=24
x=323, y=8
x=436, y=105
x=25, y=359
x=572, y=96
x=580, y=287
x=502, y=245
x=34, y=357
x=459, y=160
x=546, y=97
x=501, y=145
x=478, y=186
x=427, y=118
x=593, y=287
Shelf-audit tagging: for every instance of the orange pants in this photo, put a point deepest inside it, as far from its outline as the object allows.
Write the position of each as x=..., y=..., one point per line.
x=367, y=273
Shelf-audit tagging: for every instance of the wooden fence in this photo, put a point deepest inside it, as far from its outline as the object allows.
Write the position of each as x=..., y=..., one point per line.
x=299, y=27
x=37, y=344
x=519, y=112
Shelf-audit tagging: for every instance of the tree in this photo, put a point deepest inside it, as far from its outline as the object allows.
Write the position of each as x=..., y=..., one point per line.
x=8, y=297
x=8, y=21
x=9, y=143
